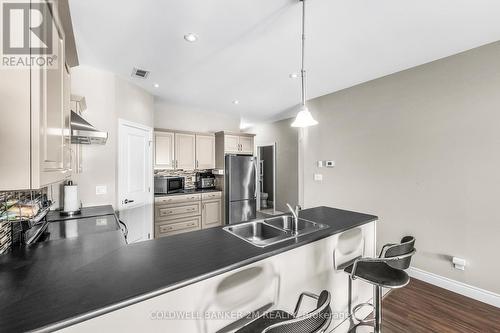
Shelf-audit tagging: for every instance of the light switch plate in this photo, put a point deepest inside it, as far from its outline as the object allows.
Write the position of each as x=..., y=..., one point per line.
x=101, y=189
x=330, y=164
x=318, y=177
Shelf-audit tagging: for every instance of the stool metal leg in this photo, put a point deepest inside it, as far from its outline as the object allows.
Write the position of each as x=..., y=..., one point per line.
x=378, y=309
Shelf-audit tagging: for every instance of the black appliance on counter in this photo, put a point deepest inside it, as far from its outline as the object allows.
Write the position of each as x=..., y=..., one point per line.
x=169, y=184
x=205, y=180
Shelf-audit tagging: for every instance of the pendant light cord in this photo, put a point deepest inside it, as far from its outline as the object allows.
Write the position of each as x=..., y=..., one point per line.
x=303, y=71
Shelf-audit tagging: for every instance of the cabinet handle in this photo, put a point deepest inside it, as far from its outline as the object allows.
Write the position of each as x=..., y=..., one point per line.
x=197, y=164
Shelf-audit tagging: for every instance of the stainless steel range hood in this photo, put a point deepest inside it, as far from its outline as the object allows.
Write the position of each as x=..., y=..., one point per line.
x=84, y=133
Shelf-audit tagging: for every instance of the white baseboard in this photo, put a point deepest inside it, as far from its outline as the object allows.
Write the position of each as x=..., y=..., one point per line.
x=479, y=294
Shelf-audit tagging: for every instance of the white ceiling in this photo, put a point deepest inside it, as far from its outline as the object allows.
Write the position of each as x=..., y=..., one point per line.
x=248, y=48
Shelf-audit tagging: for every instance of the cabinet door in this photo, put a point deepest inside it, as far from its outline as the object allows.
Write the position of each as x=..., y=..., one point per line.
x=246, y=145
x=231, y=144
x=67, y=119
x=205, y=152
x=52, y=114
x=185, y=151
x=164, y=150
x=211, y=213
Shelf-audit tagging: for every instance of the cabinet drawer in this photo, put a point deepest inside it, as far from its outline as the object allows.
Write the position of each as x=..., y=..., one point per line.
x=175, y=199
x=178, y=226
x=178, y=211
x=211, y=195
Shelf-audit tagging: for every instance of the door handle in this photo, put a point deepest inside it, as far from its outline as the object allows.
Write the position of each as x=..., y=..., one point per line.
x=126, y=201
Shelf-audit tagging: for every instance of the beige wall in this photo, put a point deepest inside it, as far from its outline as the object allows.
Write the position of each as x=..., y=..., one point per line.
x=420, y=149
x=286, y=139
x=183, y=118
x=108, y=99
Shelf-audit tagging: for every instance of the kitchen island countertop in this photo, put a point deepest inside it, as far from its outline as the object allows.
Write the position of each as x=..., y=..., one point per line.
x=56, y=284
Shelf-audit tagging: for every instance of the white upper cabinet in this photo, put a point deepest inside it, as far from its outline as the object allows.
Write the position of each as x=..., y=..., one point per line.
x=185, y=151
x=231, y=144
x=52, y=117
x=246, y=145
x=238, y=144
x=37, y=116
x=205, y=151
x=164, y=150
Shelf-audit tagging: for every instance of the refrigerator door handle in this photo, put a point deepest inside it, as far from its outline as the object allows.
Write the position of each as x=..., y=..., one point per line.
x=255, y=177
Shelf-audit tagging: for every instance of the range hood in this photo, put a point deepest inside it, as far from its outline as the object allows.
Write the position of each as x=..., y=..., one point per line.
x=84, y=133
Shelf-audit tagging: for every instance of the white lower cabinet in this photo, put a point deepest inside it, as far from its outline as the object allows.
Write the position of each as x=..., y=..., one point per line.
x=211, y=213
x=177, y=214
x=215, y=302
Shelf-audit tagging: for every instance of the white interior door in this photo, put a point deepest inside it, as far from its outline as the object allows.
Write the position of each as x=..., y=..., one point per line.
x=135, y=195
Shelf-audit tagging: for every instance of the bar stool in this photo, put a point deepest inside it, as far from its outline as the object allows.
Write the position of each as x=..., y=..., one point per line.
x=278, y=321
x=386, y=271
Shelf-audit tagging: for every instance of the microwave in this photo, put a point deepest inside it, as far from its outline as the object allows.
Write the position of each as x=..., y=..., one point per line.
x=168, y=184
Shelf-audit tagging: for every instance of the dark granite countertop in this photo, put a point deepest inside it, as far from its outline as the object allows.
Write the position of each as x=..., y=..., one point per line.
x=188, y=191
x=63, y=282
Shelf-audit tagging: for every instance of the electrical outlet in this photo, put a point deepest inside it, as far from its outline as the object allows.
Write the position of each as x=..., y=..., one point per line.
x=459, y=263
x=318, y=177
x=101, y=190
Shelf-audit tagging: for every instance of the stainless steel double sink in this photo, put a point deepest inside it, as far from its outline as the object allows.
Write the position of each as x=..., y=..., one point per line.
x=273, y=230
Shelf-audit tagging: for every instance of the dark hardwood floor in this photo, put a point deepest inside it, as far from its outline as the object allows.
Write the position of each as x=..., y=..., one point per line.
x=423, y=308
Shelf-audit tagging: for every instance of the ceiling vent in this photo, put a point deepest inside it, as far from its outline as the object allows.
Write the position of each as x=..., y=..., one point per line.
x=140, y=73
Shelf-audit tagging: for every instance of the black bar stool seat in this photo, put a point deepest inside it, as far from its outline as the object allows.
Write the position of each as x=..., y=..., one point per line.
x=381, y=274
x=385, y=271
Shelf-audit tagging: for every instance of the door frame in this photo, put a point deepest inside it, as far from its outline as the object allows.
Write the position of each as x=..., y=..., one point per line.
x=257, y=175
x=149, y=170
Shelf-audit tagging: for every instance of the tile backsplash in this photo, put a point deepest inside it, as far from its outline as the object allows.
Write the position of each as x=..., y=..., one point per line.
x=10, y=230
x=189, y=175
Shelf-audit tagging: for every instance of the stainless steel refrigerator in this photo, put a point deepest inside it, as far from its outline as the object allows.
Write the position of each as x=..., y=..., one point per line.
x=241, y=196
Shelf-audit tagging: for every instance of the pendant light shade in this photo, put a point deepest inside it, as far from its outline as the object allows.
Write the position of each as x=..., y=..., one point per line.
x=304, y=118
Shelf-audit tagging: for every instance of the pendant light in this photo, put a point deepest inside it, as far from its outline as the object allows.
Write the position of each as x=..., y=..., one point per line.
x=304, y=117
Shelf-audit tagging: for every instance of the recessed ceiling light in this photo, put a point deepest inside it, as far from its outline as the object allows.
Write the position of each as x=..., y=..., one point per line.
x=294, y=75
x=236, y=101
x=156, y=85
x=190, y=37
